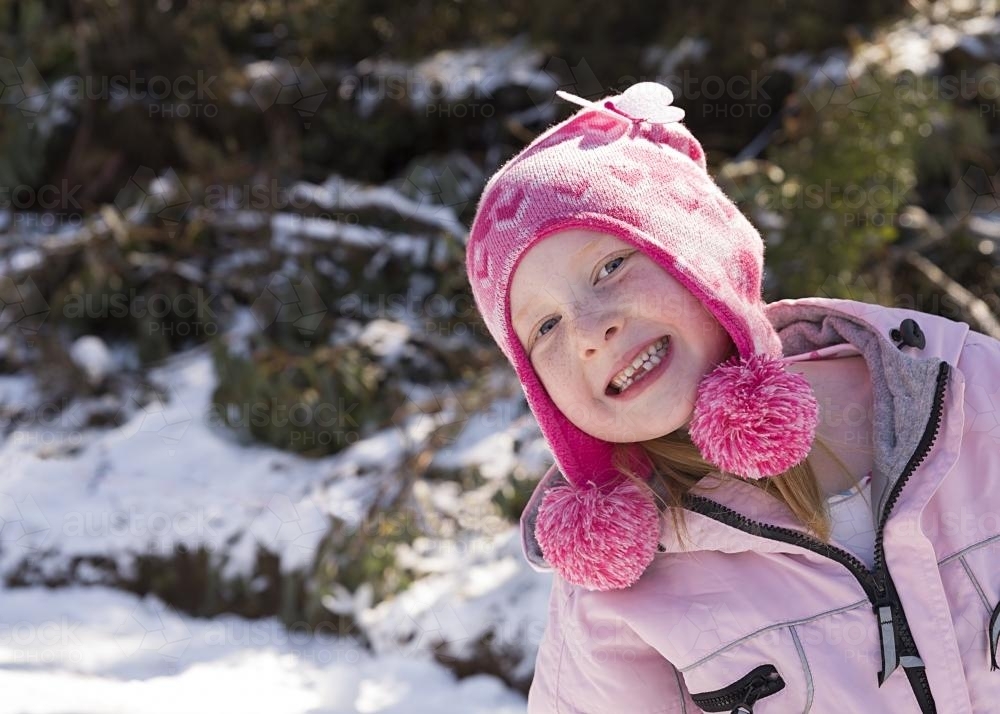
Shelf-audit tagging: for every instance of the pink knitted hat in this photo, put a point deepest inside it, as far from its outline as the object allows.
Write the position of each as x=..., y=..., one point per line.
x=626, y=166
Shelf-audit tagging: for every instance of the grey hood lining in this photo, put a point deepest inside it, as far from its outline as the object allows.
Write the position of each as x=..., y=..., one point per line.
x=903, y=383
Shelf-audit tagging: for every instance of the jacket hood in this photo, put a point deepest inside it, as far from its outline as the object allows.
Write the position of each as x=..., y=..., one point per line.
x=903, y=380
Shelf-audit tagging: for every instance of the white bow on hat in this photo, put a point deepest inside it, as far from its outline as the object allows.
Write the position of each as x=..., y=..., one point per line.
x=644, y=102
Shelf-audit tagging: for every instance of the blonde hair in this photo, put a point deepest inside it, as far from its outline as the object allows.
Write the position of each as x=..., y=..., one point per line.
x=678, y=466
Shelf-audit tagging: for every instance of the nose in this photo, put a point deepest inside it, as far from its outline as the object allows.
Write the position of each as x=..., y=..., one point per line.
x=595, y=329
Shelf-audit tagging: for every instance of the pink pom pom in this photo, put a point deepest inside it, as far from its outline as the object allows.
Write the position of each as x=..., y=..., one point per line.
x=754, y=418
x=601, y=538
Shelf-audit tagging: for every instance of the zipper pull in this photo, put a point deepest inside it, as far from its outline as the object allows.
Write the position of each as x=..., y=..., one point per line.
x=757, y=686
x=887, y=640
x=886, y=627
x=740, y=696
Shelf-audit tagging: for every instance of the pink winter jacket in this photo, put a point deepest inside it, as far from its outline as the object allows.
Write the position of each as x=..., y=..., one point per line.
x=756, y=616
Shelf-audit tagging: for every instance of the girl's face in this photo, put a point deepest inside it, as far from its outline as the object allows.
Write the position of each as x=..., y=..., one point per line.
x=584, y=306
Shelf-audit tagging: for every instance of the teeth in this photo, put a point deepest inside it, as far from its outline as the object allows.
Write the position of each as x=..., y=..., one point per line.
x=643, y=363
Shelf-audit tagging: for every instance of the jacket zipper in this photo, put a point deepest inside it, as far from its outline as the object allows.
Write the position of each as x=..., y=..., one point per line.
x=741, y=695
x=994, y=634
x=896, y=639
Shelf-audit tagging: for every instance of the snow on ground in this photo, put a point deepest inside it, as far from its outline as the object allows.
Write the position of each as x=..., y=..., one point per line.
x=172, y=475
x=95, y=650
x=482, y=587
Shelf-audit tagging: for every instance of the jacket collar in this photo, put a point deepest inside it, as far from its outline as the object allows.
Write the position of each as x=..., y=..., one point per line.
x=903, y=382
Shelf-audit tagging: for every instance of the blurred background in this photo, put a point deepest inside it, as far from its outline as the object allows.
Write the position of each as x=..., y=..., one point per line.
x=260, y=453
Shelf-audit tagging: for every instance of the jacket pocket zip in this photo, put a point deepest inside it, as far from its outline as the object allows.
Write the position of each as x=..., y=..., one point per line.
x=741, y=695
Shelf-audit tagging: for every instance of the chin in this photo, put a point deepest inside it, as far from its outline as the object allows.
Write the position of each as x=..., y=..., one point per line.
x=650, y=430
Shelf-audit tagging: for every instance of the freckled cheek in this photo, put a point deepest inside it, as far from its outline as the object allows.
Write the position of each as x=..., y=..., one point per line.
x=558, y=360
x=557, y=370
x=652, y=293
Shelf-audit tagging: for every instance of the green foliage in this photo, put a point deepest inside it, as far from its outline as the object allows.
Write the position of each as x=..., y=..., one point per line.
x=316, y=403
x=512, y=496
x=23, y=158
x=352, y=556
x=97, y=41
x=839, y=181
x=106, y=290
x=741, y=34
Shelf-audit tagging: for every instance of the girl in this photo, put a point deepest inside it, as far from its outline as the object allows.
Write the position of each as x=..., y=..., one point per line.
x=781, y=507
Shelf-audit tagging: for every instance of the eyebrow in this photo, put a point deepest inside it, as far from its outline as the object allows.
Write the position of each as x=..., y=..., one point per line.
x=585, y=249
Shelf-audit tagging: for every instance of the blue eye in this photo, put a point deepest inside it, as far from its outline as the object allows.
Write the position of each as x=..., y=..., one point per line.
x=616, y=262
x=541, y=329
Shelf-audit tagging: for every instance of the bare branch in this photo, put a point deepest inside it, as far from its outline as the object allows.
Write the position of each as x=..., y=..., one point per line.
x=977, y=312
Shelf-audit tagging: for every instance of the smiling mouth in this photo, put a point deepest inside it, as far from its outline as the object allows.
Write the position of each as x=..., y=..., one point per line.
x=640, y=367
